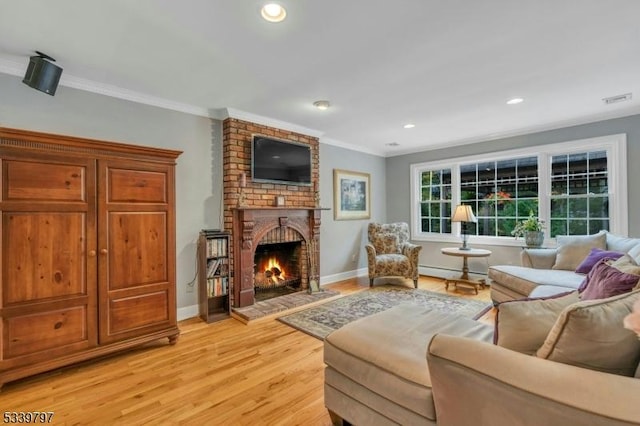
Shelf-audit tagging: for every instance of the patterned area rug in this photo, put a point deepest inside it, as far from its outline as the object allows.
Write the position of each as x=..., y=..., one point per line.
x=321, y=320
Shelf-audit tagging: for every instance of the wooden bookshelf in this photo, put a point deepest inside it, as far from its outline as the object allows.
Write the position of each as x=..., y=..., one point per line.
x=214, y=279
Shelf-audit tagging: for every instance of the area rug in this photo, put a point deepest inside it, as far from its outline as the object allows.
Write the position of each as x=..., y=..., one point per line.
x=321, y=320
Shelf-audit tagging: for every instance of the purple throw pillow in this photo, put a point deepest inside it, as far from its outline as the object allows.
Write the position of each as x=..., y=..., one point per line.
x=595, y=256
x=605, y=281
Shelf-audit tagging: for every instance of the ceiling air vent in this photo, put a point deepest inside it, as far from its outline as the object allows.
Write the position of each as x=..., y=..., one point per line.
x=618, y=98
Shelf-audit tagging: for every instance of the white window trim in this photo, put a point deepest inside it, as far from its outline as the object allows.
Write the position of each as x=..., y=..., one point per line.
x=615, y=145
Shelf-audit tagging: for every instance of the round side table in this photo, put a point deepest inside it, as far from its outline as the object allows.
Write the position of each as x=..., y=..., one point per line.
x=464, y=278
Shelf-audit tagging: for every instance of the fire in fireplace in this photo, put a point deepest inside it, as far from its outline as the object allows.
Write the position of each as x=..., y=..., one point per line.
x=277, y=269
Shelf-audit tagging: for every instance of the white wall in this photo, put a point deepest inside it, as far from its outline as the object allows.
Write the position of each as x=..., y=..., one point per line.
x=341, y=240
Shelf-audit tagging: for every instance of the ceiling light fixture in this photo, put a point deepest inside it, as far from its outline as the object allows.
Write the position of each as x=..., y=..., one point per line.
x=409, y=126
x=322, y=105
x=514, y=101
x=273, y=12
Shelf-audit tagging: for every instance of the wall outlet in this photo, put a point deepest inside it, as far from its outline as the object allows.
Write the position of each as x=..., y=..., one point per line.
x=353, y=257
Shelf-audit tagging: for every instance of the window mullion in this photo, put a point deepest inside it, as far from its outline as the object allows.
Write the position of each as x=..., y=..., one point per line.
x=544, y=190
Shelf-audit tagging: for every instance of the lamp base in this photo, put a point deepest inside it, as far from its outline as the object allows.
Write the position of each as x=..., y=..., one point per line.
x=464, y=248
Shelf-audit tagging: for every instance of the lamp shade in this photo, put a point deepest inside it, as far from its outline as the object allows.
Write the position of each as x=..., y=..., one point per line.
x=463, y=213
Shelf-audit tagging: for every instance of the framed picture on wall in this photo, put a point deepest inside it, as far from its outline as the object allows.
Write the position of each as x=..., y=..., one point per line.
x=351, y=195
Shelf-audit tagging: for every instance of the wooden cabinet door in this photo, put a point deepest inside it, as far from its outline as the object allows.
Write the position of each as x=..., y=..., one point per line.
x=48, y=277
x=136, y=237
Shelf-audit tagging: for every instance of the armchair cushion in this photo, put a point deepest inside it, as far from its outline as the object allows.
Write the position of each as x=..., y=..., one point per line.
x=385, y=243
x=590, y=334
x=572, y=249
x=523, y=325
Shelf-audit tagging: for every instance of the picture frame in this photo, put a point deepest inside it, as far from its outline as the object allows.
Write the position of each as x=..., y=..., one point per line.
x=351, y=195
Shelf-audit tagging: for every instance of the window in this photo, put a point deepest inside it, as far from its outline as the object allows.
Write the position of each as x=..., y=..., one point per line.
x=570, y=186
x=435, y=201
x=579, y=193
x=500, y=193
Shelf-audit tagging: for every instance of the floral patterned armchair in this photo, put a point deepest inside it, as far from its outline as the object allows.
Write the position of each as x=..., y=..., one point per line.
x=389, y=252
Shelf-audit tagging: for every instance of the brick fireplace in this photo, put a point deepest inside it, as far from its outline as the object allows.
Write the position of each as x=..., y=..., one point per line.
x=259, y=221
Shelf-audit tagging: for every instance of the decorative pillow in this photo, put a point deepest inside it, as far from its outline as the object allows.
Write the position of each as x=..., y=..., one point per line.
x=605, y=281
x=626, y=264
x=572, y=249
x=522, y=325
x=385, y=243
x=595, y=255
x=590, y=334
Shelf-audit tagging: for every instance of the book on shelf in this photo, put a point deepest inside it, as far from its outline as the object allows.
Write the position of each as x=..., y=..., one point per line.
x=217, y=286
x=212, y=267
x=217, y=247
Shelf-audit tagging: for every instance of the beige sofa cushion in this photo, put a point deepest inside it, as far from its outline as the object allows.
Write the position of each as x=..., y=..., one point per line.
x=524, y=280
x=523, y=325
x=626, y=264
x=590, y=334
x=573, y=249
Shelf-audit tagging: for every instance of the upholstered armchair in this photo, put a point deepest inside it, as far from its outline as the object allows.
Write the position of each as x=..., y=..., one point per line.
x=389, y=252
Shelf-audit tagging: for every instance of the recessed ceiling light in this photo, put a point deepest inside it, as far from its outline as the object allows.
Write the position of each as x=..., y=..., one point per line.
x=322, y=105
x=514, y=101
x=409, y=126
x=273, y=12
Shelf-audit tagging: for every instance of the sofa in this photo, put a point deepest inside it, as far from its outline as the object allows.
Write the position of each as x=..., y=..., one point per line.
x=411, y=365
x=546, y=272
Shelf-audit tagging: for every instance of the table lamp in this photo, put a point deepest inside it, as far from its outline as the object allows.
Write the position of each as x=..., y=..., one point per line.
x=464, y=214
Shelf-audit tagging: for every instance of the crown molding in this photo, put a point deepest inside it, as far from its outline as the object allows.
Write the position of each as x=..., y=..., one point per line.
x=8, y=66
x=351, y=147
x=594, y=118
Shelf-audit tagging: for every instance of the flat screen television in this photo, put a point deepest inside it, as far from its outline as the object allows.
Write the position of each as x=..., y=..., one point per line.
x=278, y=161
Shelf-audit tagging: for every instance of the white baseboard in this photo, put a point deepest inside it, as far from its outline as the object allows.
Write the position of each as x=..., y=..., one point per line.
x=328, y=279
x=187, y=312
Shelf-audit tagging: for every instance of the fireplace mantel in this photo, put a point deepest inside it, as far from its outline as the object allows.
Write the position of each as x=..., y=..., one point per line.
x=250, y=224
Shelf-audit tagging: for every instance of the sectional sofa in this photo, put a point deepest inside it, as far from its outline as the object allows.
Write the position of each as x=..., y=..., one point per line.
x=551, y=271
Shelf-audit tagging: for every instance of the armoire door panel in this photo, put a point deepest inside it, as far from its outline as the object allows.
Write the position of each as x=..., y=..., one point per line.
x=39, y=180
x=32, y=333
x=142, y=186
x=137, y=249
x=136, y=276
x=44, y=255
x=130, y=313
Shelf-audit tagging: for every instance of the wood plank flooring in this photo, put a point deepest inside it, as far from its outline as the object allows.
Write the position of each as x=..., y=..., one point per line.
x=224, y=373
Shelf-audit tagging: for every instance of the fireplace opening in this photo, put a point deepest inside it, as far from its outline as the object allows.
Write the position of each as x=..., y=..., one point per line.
x=277, y=269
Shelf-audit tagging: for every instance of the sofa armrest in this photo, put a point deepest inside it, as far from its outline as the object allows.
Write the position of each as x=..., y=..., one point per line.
x=538, y=258
x=479, y=383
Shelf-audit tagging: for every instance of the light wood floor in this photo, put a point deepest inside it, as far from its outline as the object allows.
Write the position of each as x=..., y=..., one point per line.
x=221, y=373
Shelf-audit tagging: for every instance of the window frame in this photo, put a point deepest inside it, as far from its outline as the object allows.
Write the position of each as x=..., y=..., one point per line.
x=614, y=145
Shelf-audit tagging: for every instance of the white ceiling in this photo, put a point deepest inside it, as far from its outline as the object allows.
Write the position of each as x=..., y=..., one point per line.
x=447, y=66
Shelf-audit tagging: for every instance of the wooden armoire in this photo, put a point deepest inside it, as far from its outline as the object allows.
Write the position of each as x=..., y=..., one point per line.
x=88, y=249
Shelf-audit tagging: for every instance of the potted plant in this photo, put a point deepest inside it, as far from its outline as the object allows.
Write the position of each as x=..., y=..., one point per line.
x=531, y=229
